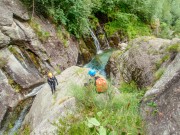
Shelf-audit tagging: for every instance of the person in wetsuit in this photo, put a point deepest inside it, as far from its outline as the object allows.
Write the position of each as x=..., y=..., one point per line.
x=99, y=82
x=52, y=81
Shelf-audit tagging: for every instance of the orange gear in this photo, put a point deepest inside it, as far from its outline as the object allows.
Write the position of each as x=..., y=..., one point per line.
x=101, y=85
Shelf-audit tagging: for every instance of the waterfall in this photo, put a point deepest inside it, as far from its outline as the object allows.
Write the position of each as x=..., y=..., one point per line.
x=23, y=113
x=19, y=121
x=96, y=42
x=34, y=91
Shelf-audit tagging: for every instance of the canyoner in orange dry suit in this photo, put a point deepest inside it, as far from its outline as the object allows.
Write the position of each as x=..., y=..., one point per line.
x=100, y=83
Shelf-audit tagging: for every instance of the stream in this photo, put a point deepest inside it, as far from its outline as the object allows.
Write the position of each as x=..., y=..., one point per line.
x=19, y=121
x=99, y=62
x=96, y=42
x=24, y=107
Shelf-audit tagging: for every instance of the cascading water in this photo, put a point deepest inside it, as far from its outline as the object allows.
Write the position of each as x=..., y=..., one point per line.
x=96, y=42
x=100, y=60
x=13, y=121
x=19, y=121
x=34, y=91
x=23, y=113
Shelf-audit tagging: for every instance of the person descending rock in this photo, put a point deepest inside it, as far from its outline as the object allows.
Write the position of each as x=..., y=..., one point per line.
x=52, y=81
x=100, y=83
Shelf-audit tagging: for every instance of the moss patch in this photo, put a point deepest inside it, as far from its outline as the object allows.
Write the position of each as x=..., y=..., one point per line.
x=174, y=48
x=63, y=36
x=160, y=62
x=42, y=35
x=159, y=73
x=15, y=52
x=13, y=84
x=34, y=59
x=26, y=130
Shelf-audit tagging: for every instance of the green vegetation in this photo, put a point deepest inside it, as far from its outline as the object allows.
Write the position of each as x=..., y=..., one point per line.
x=129, y=17
x=58, y=70
x=129, y=87
x=159, y=73
x=174, y=48
x=160, y=62
x=15, y=51
x=3, y=62
x=152, y=104
x=63, y=36
x=34, y=59
x=130, y=26
x=13, y=84
x=104, y=113
x=42, y=35
x=25, y=131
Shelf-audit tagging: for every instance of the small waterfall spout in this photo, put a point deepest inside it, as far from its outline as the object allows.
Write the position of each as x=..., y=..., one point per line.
x=34, y=91
x=96, y=42
x=19, y=121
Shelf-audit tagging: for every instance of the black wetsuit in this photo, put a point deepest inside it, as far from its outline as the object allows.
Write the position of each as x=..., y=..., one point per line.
x=52, y=83
x=96, y=79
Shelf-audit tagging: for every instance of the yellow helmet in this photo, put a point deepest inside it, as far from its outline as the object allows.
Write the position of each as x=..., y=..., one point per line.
x=50, y=75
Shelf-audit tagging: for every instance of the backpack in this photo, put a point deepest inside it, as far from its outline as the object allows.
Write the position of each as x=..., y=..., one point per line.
x=101, y=85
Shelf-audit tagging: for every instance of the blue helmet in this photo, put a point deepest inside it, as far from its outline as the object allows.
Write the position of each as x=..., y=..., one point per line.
x=92, y=72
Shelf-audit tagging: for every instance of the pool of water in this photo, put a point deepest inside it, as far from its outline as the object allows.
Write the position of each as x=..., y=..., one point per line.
x=99, y=62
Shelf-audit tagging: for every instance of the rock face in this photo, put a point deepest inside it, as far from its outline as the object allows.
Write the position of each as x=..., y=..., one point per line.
x=141, y=61
x=60, y=47
x=161, y=104
x=22, y=72
x=4, y=40
x=11, y=8
x=28, y=49
x=8, y=97
x=47, y=108
x=85, y=53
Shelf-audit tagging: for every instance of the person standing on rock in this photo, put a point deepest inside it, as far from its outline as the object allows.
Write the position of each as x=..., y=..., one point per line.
x=52, y=81
x=100, y=83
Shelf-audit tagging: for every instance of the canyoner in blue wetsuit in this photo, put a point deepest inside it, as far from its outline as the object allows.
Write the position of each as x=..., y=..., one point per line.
x=52, y=81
